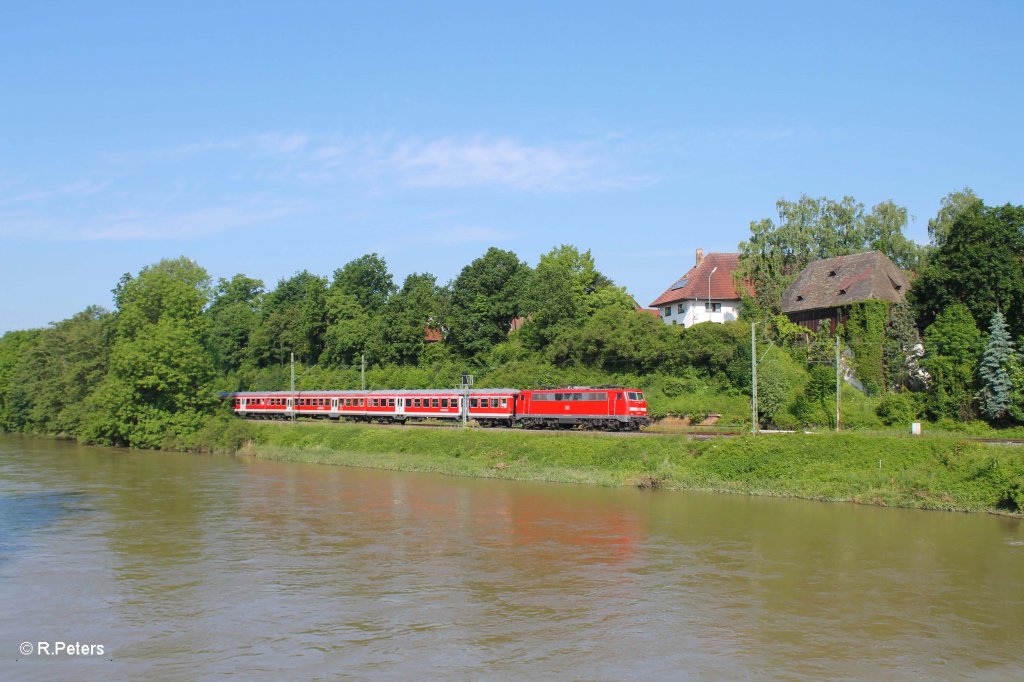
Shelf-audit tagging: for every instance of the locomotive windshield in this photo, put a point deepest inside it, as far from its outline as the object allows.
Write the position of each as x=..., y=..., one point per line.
x=636, y=396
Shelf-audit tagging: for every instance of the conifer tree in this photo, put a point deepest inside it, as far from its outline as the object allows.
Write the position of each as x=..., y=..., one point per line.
x=994, y=397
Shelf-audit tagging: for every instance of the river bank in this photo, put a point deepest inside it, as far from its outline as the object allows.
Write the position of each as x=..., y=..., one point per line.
x=939, y=472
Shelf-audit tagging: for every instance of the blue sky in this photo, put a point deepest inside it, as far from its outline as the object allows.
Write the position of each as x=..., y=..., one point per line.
x=267, y=138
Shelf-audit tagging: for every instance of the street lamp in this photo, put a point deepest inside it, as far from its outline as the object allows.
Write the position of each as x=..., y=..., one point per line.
x=709, y=290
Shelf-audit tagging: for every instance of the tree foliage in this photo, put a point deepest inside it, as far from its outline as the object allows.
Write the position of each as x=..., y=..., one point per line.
x=811, y=229
x=160, y=380
x=994, y=371
x=952, y=347
x=978, y=265
x=484, y=299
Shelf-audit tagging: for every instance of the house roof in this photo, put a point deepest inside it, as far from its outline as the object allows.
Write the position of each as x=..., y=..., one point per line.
x=694, y=284
x=836, y=282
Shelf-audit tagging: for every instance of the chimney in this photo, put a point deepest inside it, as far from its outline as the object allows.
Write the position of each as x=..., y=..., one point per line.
x=700, y=257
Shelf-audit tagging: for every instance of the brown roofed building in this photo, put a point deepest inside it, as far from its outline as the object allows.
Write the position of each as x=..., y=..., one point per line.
x=826, y=289
x=707, y=293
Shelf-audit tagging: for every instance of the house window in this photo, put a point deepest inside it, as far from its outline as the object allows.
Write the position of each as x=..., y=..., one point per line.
x=679, y=308
x=713, y=307
x=668, y=311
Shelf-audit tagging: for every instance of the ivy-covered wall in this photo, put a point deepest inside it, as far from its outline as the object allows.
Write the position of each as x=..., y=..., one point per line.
x=865, y=335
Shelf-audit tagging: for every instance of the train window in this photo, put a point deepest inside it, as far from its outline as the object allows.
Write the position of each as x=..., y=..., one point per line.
x=494, y=402
x=504, y=402
x=375, y=401
x=391, y=402
x=444, y=402
x=577, y=396
x=473, y=402
x=433, y=402
x=542, y=396
x=618, y=396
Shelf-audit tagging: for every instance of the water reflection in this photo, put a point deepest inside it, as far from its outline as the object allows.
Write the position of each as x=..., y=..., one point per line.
x=196, y=566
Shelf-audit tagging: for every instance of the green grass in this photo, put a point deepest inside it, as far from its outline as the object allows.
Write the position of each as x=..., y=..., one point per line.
x=932, y=472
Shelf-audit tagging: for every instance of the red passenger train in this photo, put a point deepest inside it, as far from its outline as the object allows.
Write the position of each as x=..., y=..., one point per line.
x=604, y=407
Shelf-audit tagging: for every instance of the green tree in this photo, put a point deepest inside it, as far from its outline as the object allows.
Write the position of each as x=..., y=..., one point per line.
x=952, y=347
x=294, y=320
x=484, y=299
x=233, y=316
x=993, y=371
x=160, y=381
x=953, y=204
x=901, y=348
x=407, y=315
x=978, y=265
x=348, y=331
x=367, y=279
x=563, y=291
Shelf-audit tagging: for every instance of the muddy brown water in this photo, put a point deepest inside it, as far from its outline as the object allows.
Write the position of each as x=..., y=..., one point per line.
x=194, y=567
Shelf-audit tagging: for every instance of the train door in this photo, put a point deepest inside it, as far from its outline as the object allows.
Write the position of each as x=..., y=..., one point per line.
x=400, y=406
x=334, y=404
x=289, y=405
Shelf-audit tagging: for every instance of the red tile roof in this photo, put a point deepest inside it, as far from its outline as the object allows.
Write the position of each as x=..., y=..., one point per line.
x=432, y=335
x=694, y=284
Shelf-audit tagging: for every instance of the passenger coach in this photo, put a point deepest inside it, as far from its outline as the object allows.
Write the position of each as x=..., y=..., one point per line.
x=603, y=407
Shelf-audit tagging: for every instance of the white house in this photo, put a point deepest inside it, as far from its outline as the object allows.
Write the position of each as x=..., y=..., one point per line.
x=707, y=293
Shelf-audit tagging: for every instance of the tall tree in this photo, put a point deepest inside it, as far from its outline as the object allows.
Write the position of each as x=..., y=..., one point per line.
x=979, y=265
x=485, y=298
x=952, y=347
x=160, y=381
x=294, y=320
x=953, y=204
x=233, y=316
x=902, y=348
x=994, y=371
x=367, y=279
x=407, y=315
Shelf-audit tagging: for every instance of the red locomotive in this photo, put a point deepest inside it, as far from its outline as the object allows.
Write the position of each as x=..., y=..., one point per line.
x=604, y=407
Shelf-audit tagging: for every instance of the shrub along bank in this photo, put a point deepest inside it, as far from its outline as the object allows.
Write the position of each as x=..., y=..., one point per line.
x=939, y=472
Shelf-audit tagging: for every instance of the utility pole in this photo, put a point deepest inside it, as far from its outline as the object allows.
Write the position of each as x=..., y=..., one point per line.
x=467, y=381
x=363, y=369
x=753, y=381
x=838, y=384
x=293, y=386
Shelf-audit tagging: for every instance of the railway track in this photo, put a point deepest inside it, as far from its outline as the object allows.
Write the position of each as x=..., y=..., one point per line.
x=692, y=435
x=695, y=435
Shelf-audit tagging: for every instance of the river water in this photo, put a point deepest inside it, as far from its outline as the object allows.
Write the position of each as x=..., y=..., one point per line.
x=186, y=567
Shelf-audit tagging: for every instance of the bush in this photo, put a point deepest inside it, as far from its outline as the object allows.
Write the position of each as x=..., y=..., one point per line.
x=898, y=409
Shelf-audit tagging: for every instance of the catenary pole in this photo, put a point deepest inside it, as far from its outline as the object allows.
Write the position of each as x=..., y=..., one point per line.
x=753, y=380
x=838, y=384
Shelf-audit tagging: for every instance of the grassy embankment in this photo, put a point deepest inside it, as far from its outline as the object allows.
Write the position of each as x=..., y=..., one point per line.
x=938, y=472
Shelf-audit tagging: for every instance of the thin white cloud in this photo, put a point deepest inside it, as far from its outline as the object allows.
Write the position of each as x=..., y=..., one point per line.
x=148, y=225
x=482, y=162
